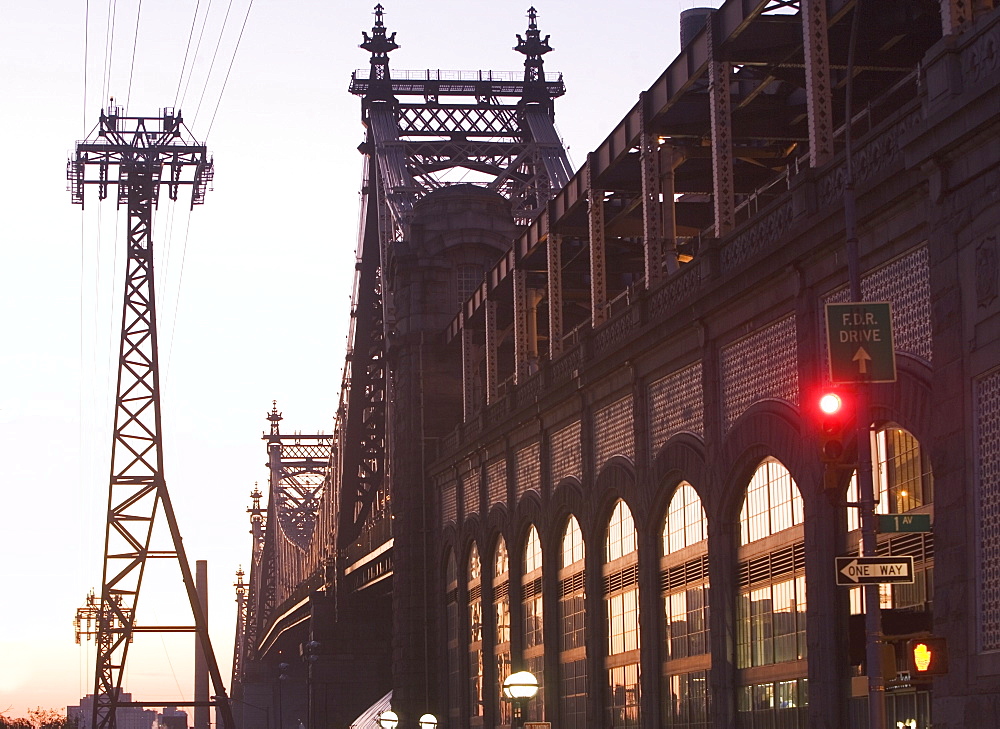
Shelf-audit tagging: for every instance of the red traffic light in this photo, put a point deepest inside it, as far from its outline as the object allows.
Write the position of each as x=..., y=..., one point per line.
x=835, y=421
x=831, y=403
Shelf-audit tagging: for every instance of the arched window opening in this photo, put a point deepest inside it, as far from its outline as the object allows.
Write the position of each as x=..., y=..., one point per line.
x=572, y=627
x=532, y=614
x=771, y=608
x=685, y=603
x=454, y=643
x=772, y=503
x=621, y=598
x=903, y=483
x=685, y=523
x=475, y=642
x=501, y=624
x=901, y=472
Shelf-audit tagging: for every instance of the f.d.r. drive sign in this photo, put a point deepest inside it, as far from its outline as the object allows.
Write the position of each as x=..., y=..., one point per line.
x=859, y=339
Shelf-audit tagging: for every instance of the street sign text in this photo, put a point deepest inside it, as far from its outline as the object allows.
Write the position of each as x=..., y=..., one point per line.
x=872, y=570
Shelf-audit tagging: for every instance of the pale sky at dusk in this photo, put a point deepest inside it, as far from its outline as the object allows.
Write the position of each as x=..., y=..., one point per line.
x=253, y=287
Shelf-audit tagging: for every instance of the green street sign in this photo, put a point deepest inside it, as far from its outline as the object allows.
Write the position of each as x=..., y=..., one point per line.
x=859, y=341
x=903, y=523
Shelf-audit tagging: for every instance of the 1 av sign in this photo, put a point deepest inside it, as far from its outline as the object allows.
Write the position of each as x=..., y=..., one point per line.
x=859, y=338
x=870, y=570
x=904, y=523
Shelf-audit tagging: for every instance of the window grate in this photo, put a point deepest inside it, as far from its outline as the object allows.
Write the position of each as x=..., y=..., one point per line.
x=573, y=584
x=621, y=580
x=532, y=588
x=776, y=564
x=690, y=572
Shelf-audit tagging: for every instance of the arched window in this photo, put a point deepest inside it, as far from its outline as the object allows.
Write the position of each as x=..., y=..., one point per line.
x=454, y=644
x=684, y=577
x=532, y=635
x=685, y=523
x=772, y=504
x=475, y=617
x=621, y=598
x=901, y=471
x=572, y=624
x=903, y=483
x=771, y=612
x=501, y=617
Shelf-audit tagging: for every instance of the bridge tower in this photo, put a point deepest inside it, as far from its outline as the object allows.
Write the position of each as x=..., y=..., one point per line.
x=455, y=163
x=139, y=155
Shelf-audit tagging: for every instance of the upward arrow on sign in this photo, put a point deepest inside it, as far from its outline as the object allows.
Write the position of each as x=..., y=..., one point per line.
x=862, y=358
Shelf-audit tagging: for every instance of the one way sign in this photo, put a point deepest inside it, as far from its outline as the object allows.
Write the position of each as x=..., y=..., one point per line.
x=868, y=570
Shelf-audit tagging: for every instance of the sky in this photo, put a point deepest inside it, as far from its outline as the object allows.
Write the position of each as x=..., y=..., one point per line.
x=252, y=288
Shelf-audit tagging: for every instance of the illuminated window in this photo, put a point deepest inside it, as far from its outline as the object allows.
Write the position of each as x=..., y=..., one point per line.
x=902, y=474
x=774, y=704
x=686, y=701
x=685, y=610
x=621, y=597
x=532, y=613
x=501, y=625
x=685, y=524
x=772, y=504
x=771, y=610
x=572, y=622
x=475, y=642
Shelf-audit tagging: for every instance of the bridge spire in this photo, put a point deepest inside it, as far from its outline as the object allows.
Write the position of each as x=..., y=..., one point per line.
x=533, y=46
x=274, y=417
x=380, y=45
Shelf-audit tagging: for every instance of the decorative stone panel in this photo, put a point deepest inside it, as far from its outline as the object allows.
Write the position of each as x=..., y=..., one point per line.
x=986, y=397
x=762, y=365
x=566, y=453
x=675, y=405
x=906, y=284
x=449, y=502
x=470, y=493
x=529, y=470
x=496, y=481
x=613, y=432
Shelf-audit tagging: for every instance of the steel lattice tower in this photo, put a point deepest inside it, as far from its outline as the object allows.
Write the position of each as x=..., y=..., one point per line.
x=139, y=155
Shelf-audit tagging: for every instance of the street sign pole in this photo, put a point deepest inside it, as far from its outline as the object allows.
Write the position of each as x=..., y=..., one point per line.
x=874, y=639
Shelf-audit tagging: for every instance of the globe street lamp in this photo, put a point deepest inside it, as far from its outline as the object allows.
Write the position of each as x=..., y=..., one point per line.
x=518, y=688
x=388, y=720
x=428, y=721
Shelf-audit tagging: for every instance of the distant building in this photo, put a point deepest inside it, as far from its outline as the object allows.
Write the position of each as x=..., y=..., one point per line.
x=129, y=717
x=171, y=718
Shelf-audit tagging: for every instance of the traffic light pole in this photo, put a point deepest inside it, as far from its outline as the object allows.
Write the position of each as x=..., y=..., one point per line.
x=866, y=483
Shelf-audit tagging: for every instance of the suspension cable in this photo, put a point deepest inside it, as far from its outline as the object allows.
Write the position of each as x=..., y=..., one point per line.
x=135, y=42
x=229, y=70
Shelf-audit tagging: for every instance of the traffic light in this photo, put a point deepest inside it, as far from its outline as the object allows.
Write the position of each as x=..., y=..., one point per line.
x=836, y=424
x=927, y=657
x=836, y=418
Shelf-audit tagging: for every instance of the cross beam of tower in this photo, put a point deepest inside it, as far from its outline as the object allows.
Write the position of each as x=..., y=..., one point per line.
x=139, y=155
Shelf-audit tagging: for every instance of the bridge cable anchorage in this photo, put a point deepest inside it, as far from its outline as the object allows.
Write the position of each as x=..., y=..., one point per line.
x=139, y=155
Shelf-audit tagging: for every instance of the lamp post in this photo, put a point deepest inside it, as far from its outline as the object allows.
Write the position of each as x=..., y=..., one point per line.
x=427, y=721
x=388, y=719
x=282, y=677
x=517, y=689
